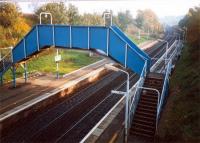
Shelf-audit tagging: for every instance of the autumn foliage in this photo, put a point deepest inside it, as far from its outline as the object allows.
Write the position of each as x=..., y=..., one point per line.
x=12, y=25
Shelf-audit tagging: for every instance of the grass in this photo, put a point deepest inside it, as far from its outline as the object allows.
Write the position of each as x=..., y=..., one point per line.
x=44, y=62
x=180, y=121
x=139, y=41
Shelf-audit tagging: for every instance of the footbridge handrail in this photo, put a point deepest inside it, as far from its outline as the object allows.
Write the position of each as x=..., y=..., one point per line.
x=166, y=79
x=166, y=82
x=5, y=61
x=159, y=60
x=134, y=95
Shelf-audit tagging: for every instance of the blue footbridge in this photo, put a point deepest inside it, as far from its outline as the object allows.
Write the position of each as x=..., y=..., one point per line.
x=110, y=40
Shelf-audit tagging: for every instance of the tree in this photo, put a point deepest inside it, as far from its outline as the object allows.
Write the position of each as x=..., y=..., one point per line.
x=148, y=21
x=58, y=11
x=73, y=15
x=191, y=22
x=91, y=19
x=12, y=25
x=8, y=14
x=123, y=19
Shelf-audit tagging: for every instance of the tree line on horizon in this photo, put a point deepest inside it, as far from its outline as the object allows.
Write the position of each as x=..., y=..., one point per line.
x=14, y=24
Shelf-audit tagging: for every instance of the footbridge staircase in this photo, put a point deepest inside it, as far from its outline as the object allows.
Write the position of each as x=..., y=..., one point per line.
x=148, y=98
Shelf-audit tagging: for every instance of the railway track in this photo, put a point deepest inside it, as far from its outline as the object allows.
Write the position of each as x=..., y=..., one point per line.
x=70, y=120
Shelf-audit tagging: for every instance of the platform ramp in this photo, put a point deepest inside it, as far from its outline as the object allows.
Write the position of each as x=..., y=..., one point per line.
x=110, y=40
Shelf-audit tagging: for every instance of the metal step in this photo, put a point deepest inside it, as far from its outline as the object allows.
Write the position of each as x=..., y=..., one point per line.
x=150, y=92
x=146, y=110
x=143, y=126
x=149, y=99
x=146, y=122
x=142, y=117
x=150, y=96
x=147, y=106
x=148, y=103
x=141, y=135
x=143, y=131
x=145, y=114
x=158, y=87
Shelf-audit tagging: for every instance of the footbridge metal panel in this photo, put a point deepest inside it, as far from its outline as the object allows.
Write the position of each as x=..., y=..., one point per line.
x=111, y=40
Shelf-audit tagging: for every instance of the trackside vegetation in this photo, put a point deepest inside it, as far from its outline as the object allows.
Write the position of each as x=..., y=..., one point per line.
x=180, y=121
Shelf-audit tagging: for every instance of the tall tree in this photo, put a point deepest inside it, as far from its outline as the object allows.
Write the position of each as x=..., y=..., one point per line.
x=12, y=25
x=91, y=19
x=123, y=19
x=58, y=11
x=148, y=21
x=73, y=15
x=191, y=22
x=8, y=14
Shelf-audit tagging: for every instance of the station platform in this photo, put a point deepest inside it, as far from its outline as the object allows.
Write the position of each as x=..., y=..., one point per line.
x=12, y=98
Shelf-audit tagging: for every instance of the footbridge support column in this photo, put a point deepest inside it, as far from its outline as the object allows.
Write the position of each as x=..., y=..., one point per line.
x=25, y=72
x=1, y=80
x=14, y=75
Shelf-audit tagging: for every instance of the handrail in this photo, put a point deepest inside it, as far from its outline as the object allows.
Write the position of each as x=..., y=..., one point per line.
x=158, y=93
x=166, y=80
x=5, y=62
x=133, y=98
x=6, y=55
x=161, y=58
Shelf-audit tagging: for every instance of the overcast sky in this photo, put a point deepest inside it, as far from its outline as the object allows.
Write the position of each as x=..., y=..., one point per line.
x=160, y=7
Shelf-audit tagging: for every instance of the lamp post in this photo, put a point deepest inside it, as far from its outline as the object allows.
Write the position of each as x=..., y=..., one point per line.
x=185, y=32
x=57, y=52
x=46, y=14
x=107, y=15
x=178, y=37
x=166, y=52
x=110, y=67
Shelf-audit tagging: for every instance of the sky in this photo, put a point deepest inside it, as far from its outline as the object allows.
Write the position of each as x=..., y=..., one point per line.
x=161, y=7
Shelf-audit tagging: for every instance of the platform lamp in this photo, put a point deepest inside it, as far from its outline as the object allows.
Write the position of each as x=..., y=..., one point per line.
x=107, y=15
x=45, y=14
x=113, y=68
x=166, y=51
x=57, y=52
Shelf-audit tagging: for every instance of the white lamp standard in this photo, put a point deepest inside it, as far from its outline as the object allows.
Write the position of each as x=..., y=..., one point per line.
x=46, y=14
x=166, y=51
x=107, y=15
x=57, y=53
x=110, y=67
